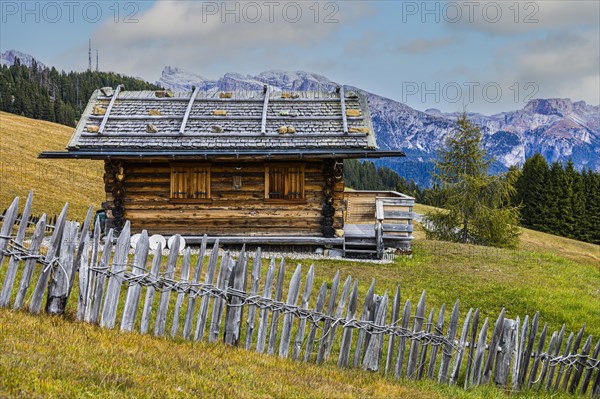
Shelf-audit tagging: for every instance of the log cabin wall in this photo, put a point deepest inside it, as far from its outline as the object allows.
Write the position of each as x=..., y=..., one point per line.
x=231, y=210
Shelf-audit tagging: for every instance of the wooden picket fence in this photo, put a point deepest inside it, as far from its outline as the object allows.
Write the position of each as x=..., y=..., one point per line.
x=381, y=336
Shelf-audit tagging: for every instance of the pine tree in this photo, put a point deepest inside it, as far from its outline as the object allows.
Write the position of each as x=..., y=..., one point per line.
x=532, y=193
x=34, y=92
x=476, y=205
x=590, y=231
x=560, y=215
x=577, y=200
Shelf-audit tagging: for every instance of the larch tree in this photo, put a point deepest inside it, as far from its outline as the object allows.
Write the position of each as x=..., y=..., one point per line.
x=476, y=205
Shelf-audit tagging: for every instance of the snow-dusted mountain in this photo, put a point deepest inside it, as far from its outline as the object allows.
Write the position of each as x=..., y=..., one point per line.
x=557, y=128
x=8, y=58
x=179, y=79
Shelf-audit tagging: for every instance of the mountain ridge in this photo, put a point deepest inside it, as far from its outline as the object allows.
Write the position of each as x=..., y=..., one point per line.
x=559, y=129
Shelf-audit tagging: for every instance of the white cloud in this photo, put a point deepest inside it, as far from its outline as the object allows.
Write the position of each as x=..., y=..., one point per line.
x=205, y=36
x=565, y=65
x=512, y=17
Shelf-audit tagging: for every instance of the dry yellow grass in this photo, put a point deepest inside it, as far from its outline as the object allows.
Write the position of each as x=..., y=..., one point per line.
x=54, y=182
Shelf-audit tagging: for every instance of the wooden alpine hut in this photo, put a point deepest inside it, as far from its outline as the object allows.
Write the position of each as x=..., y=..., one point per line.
x=255, y=167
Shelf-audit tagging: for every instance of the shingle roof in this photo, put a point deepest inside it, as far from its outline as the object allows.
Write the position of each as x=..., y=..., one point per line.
x=209, y=122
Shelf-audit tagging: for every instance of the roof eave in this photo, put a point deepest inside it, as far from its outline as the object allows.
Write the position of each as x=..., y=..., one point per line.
x=199, y=154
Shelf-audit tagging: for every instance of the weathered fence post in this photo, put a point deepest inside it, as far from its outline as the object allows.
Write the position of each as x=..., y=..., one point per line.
x=573, y=352
x=503, y=358
x=208, y=280
x=263, y=322
x=84, y=275
x=470, y=356
x=185, y=274
x=189, y=314
x=375, y=346
x=590, y=370
x=13, y=263
x=92, y=272
x=338, y=315
x=362, y=334
x=288, y=319
x=233, y=323
x=275, y=320
x=423, y=356
x=392, y=338
x=163, y=306
x=557, y=347
x=310, y=278
x=7, y=226
x=254, y=285
x=447, y=349
x=151, y=290
x=119, y=263
x=402, y=341
x=327, y=325
x=461, y=349
x=310, y=340
x=546, y=359
x=34, y=250
x=414, y=345
x=85, y=232
x=538, y=352
x=480, y=354
x=225, y=270
x=562, y=366
x=38, y=294
x=493, y=348
x=529, y=348
x=439, y=330
x=58, y=290
x=516, y=356
x=101, y=278
x=135, y=289
x=347, y=333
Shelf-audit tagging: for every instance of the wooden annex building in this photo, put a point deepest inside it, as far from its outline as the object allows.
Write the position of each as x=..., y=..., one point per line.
x=255, y=167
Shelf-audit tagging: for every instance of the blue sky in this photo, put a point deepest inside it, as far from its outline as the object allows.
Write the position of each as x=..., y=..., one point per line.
x=485, y=56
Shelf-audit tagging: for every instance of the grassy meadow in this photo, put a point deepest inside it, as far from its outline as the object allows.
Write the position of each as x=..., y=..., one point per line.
x=43, y=356
x=54, y=181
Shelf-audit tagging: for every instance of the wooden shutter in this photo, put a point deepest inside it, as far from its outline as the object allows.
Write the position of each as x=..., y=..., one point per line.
x=284, y=182
x=276, y=182
x=179, y=182
x=190, y=183
x=294, y=183
x=200, y=183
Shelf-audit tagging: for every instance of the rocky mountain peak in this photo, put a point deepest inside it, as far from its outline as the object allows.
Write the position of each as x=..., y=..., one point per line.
x=550, y=106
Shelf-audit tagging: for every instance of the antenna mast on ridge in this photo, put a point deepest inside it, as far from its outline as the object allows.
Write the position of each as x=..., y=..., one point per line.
x=96, y=60
x=90, y=56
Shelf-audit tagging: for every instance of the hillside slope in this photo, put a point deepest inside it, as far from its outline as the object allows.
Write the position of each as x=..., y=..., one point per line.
x=54, y=182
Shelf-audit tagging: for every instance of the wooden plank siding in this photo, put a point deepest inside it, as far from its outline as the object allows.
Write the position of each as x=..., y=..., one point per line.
x=230, y=211
x=361, y=207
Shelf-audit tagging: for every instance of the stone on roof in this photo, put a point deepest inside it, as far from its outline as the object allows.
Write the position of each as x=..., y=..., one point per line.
x=234, y=121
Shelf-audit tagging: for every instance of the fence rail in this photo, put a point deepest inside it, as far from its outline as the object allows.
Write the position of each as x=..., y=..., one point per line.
x=380, y=336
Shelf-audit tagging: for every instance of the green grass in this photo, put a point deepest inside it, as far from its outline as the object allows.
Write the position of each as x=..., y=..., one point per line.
x=44, y=356
x=55, y=357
